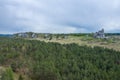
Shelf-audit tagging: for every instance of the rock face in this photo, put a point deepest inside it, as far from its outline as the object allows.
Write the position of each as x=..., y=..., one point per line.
x=26, y=35
x=99, y=34
x=23, y=35
x=34, y=35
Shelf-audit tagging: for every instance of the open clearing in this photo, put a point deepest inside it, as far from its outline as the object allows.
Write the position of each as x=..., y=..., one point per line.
x=89, y=41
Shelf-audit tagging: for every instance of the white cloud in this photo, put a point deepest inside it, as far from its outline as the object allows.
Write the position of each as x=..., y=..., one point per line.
x=59, y=15
x=112, y=26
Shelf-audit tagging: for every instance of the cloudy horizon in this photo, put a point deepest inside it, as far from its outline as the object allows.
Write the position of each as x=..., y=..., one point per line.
x=59, y=16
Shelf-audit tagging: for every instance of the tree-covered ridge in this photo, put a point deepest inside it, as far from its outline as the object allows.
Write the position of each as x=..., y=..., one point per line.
x=52, y=61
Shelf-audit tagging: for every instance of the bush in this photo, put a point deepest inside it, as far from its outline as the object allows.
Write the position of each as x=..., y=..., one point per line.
x=7, y=75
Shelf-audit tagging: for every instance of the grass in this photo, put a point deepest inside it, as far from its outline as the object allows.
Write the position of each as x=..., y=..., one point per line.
x=89, y=41
x=15, y=75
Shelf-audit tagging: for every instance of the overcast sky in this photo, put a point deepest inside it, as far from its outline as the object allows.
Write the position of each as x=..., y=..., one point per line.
x=59, y=16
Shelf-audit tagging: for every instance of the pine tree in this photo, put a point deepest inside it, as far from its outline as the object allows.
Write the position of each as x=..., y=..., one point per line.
x=21, y=78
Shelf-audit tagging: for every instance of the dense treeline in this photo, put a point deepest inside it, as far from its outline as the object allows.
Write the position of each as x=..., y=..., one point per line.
x=112, y=34
x=53, y=61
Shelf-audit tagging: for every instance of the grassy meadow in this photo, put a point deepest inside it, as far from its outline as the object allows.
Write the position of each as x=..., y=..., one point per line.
x=112, y=43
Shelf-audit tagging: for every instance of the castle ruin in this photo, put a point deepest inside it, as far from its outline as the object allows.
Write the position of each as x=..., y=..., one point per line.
x=99, y=34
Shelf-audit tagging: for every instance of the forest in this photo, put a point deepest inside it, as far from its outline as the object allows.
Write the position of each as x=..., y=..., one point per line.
x=39, y=60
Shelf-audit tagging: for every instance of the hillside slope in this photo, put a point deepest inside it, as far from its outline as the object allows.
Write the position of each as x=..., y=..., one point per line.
x=37, y=60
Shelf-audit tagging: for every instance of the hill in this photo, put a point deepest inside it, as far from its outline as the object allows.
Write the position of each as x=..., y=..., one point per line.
x=38, y=60
x=6, y=35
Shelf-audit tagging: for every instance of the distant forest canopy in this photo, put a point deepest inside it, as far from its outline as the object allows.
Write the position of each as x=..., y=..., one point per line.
x=52, y=61
x=112, y=34
x=6, y=35
x=60, y=34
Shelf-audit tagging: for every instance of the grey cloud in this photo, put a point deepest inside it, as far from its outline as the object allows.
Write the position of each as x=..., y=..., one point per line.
x=59, y=15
